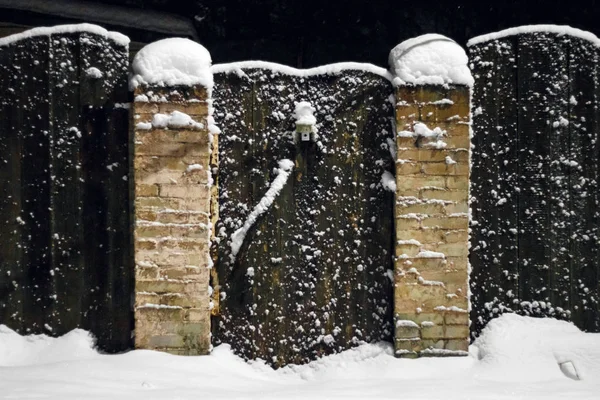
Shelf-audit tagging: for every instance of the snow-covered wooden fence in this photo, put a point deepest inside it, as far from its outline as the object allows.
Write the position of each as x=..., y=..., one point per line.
x=535, y=245
x=312, y=274
x=65, y=242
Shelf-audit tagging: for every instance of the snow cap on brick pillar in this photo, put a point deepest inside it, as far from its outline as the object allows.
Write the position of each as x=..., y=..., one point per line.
x=431, y=293
x=175, y=151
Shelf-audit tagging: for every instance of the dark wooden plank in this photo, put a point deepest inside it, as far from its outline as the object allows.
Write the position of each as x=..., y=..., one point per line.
x=540, y=106
x=66, y=197
x=106, y=191
x=494, y=178
x=32, y=125
x=233, y=99
x=583, y=183
x=12, y=273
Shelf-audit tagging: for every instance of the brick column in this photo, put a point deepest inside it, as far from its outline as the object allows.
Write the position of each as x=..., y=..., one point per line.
x=432, y=174
x=173, y=188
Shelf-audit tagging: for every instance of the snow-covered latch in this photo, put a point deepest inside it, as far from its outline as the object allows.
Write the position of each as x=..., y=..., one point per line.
x=305, y=121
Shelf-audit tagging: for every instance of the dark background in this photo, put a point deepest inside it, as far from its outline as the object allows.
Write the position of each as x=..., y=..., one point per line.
x=314, y=32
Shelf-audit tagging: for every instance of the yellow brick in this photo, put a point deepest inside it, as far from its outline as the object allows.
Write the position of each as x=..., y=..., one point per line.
x=184, y=191
x=410, y=111
x=410, y=250
x=450, y=195
x=171, y=149
x=165, y=176
x=446, y=222
x=192, y=109
x=405, y=142
x=407, y=223
x=456, y=318
x=422, y=235
x=441, y=168
x=408, y=168
x=457, y=182
x=457, y=142
x=176, y=256
x=450, y=249
x=460, y=207
x=420, y=208
x=457, y=263
x=419, y=318
x=142, y=190
x=454, y=129
x=420, y=181
x=456, y=331
x=457, y=344
x=172, y=136
x=186, y=272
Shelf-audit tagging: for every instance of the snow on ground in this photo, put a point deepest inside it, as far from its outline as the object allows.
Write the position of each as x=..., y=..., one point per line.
x=515, y=358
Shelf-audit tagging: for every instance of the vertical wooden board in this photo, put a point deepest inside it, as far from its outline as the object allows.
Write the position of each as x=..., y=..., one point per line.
x=12, y=273
x=494, y=175
x=556, y=103
x=354, y=113
x=505, y=146
x=484, y=178
x=106, y=191
x=65, y=165
x=278, y=228
x=582, y=164
x=32, y=126
x=233, y=102
x=540, y=105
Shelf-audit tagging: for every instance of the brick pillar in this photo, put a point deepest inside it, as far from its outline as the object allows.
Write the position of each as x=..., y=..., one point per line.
x=432, y=174
x=173, y=187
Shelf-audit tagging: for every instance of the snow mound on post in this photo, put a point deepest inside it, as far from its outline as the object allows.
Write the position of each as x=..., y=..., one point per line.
x=172, y=62
x=430, y=60
x=17, y=350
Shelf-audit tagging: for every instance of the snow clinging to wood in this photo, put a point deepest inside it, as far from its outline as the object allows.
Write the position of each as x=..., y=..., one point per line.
x=116, y=37
x=558, y=29
x=430, y=60
x=172, y=62
x=283, y=173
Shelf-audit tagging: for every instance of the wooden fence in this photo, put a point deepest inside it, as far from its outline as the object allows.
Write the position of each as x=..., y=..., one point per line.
x=535, y=240
x=65, y=243
x=313, y=275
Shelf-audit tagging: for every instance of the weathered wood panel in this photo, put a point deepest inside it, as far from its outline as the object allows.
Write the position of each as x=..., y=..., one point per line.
x=534, y=179
x=66, y=242
x=312, y=275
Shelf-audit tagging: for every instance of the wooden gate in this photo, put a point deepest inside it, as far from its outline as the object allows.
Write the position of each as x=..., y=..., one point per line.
x=535, y=176
x=313, y=275
x=65, y=244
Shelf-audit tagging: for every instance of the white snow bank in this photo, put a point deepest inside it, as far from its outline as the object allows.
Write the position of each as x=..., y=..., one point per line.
x=331, y=69
x=526, y=348
x=17, y=350
x=430, y=59
x=171, y=62
x=515, y=358
x=116, y=37
x=558, y=29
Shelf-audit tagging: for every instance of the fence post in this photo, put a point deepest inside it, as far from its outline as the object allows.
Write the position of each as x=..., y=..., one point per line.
x=174, y=144
x=431, y=291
